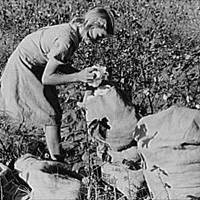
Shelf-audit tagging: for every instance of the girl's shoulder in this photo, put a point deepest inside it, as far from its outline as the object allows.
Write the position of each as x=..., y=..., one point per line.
x=64, y=31
x=58, y=29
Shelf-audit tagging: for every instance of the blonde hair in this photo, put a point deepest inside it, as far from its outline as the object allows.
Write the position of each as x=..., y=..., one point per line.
x=100, y=17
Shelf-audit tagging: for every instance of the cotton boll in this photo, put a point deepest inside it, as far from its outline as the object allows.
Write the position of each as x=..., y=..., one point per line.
x=100, y=74
x=97, y=74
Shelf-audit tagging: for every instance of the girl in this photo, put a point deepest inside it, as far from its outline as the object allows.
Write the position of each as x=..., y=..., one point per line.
x=32, y=72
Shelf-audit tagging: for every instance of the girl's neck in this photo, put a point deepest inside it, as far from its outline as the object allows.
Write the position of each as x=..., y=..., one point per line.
x=78, y=26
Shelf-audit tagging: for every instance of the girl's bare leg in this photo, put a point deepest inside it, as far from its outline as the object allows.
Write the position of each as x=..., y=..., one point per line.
x=53, y=139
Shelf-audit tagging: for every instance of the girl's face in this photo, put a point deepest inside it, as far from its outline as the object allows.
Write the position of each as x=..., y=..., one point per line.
x=97, y=33
x=94, y=34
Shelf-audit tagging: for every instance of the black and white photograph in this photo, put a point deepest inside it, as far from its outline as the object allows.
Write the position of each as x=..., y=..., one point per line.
x=99, y=100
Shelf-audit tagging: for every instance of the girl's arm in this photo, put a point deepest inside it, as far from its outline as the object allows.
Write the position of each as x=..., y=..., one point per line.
x=66, y=69
x=50, y=77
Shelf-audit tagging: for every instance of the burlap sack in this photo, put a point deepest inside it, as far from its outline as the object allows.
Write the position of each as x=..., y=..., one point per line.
x=170, y=144
x=128, y=182
x=11, y=188
x=49, y=180
x=107, y=102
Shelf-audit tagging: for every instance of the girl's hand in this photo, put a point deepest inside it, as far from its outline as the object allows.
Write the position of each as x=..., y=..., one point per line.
x=86, y=75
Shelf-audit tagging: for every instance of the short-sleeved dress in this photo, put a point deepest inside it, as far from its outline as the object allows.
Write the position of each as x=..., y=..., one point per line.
x=24, y=98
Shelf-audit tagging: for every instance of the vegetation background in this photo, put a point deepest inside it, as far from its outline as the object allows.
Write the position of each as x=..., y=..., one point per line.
x=153, y=57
